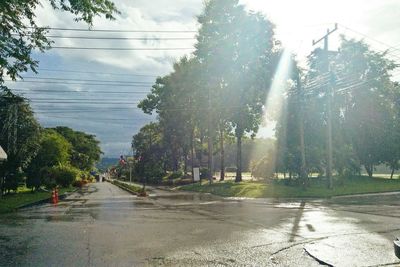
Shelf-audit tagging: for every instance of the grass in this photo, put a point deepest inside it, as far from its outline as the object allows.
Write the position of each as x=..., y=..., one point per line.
x=135, y=188
x=278, y=189
x=24, y=196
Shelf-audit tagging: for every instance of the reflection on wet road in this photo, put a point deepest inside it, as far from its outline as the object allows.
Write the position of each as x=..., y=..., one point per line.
x=105, y=226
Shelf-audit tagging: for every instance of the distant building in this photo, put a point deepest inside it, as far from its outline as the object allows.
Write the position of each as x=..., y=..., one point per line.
x=3, y=155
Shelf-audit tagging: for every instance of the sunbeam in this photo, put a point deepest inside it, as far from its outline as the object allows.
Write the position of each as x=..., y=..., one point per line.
x=274, y=104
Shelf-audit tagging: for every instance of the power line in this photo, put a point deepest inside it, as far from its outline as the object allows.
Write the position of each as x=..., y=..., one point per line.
x=83, y=102
x=76, y=92
x=122, y=38
x=370, y=38
x=125, y=31
x=95, y=72
x=122, y=49
x=69, y=83
x=86, y=80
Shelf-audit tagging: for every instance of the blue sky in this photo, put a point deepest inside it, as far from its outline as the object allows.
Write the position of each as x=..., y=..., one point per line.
x=298, y=22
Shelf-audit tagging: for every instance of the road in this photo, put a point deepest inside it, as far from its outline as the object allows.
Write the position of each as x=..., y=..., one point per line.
x=105, y=226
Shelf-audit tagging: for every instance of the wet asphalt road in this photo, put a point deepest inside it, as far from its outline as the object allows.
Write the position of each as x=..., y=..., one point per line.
x=105, y=226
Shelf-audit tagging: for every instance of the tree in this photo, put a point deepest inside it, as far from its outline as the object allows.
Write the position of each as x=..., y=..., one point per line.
x=177, y=100
x=367, y=109
x=235, y=48
x=364, y=114
x=19, y=136
x=54, y=151
x=149, y=153
x=20, y=34
x=86, y=149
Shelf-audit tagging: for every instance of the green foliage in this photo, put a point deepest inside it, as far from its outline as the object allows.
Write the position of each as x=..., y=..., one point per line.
x=364, y=116
x=264, y=168
x=85, y=148
x=19, y=136
x=355, y=185
x=20, y=35
x=54, y=150
x=12, y=202
x=223, y=86
x=236, y=51
x=173, y=175
x=60, y=175
x=133, y=188
x=149, y=153
x=204, y=173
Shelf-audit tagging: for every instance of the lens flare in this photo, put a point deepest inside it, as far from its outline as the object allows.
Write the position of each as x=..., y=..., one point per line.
x=274, y=105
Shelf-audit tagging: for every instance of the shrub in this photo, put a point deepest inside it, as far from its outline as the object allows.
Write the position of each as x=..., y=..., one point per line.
x=77, y=183
x=263, y=168
x=204, y=173
x=63, y=176
x=174, y=175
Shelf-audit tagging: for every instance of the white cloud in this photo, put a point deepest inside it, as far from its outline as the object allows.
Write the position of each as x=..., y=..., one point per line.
x=298, y=22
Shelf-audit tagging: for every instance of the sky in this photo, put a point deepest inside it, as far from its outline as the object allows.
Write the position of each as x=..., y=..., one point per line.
x=97, y=91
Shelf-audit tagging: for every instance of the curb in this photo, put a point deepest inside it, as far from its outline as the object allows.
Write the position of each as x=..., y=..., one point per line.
x=45, y=201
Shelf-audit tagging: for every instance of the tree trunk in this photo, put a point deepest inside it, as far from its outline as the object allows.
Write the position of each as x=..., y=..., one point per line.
x=185, y=163
x=201, y=150
x=222, y=174
x=210, y=158
x=191, y=151
x=370, y=169
x=239, y=160
x=391, y=175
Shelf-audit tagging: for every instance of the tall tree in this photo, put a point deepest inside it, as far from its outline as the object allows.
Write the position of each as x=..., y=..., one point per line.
x=86, y=149
x=19, y=136
x=367, y=114
x=234, y=48
x=149, y=153
x=54, y=150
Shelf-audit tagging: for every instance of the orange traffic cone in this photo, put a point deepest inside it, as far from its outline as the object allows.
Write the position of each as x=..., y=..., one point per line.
x=56, y=195
x=53, y=197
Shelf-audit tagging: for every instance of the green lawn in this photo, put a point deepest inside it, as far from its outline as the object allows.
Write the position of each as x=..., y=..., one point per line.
x=278, y=189
x=23, y=197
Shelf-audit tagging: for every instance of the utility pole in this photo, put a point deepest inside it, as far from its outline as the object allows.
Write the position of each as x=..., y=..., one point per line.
x=210, y=140
x=303, y=168
x=329, y=105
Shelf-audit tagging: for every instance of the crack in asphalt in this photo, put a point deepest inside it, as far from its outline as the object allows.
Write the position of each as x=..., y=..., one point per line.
x=387, y=264
x=317, y=259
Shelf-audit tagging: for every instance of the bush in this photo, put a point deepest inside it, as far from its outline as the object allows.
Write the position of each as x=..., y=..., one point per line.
x=174, y=175
x=263, y=168
x=63, y=176
x=78, y=183
x=204, y=173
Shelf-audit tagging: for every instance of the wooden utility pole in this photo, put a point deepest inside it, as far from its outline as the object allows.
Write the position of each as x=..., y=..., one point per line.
x=303, y=168
x=210, y=140
x=329, y=106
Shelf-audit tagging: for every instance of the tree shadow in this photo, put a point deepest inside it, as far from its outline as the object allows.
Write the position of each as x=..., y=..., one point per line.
x=296, y=223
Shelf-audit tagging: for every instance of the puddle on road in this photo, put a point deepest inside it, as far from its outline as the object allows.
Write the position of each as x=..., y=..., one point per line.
x=185, y=197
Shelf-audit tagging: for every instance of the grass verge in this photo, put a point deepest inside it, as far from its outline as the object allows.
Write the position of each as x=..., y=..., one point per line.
x=11, y=202
x=133, y=188
x=278, y=189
